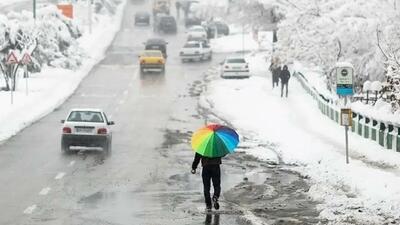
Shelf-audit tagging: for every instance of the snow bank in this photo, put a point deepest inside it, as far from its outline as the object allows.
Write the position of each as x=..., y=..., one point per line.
x=364, y=192
x=234, y=43
x=52, y=86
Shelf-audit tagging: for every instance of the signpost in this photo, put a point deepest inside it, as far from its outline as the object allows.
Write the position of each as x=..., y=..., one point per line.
x=10, y=61
x=26, y=59
x=345, y=88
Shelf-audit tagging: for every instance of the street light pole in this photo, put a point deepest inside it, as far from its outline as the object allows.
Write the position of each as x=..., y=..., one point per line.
x=34, y=9
x=90, y=15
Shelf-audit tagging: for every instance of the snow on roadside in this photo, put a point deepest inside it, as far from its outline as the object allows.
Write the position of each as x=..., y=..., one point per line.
x=234, y=43
x=53, y=86
x=364, y=192
x=381, y=111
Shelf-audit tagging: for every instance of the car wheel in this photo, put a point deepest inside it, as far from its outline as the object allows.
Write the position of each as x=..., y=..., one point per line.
x=107, y=146
x=64, y=147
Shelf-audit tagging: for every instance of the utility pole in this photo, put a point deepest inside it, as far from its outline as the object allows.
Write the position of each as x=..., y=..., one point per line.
x=34, y=9
x=243, y=38
x=90, y=15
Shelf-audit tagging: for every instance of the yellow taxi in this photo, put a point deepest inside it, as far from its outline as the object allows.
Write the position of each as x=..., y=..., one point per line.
x=151, y=59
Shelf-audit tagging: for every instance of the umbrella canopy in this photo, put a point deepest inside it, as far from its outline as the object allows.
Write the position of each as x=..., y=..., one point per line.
x=215, y=141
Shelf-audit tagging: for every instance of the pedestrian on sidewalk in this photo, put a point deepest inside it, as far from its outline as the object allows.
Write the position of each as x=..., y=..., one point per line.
x=178, y=8
x=284, y=76
x=211, y=172
x=275, y=70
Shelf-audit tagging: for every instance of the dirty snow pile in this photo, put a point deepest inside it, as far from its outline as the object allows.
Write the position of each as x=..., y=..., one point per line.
x=67, y=52
x=363, y=192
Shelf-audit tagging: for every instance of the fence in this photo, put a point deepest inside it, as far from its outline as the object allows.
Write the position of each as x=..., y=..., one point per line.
x=384, y=133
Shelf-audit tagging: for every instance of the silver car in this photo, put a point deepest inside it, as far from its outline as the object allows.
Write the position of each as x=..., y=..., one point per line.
x=86, y=128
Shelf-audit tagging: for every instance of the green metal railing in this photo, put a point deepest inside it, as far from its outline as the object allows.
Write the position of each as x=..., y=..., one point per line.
x=384, y=133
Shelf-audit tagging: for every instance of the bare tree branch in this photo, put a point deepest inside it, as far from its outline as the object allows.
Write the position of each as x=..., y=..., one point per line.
x=379, y=44
x=340, y=49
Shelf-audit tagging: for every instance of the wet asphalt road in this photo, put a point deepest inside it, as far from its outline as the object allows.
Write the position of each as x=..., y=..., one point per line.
x=146, y=180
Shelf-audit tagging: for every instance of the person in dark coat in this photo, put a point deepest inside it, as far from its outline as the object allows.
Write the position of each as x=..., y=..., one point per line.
x=284, y=76
x=275, y=70
x=178, y=8
x=211, y=171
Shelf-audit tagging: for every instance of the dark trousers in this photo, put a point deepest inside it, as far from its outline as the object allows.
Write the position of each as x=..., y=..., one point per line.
x=275, y=83
x=211, y=172
x=282, y=86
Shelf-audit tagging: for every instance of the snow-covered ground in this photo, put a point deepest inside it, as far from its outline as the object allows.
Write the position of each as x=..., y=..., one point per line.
x=363, y=192
x=53, y=86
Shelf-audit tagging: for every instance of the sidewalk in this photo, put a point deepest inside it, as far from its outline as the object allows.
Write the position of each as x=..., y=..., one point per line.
x=365, y=192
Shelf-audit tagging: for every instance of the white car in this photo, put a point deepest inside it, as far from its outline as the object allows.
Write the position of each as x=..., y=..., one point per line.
x=86, y=128
x=196, y=32
x=195, y=50
x=235, y=67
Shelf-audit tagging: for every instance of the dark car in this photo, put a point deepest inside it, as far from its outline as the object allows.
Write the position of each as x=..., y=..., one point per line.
x=192, y=21
x=156, y=44
x=142, y=18
x=165, y=24
x=217, y=26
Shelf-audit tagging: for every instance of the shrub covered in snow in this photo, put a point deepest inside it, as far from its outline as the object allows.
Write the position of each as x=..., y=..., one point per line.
x=55, y=35
x=365, y=33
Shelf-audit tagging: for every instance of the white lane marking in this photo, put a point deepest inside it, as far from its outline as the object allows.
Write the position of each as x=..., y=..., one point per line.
x=30, y=209
x=45, y=191
x=122, y=101
x=60, y=176
x=126, y=92
x=71, y=163
x=130, y=84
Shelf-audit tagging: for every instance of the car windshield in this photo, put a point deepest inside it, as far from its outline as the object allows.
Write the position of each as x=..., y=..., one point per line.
x=197, y=29
x=155, y=47
x=85, y=116
x=236, y=60
x=192, y=45
x=152, y=54
x=167, y=20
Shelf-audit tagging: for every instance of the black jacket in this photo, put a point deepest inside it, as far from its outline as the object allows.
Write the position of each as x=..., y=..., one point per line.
x=285, y=76
x=205, y=161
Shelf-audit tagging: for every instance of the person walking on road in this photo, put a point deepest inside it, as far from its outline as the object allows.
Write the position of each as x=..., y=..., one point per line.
x=284, y=76
x=211, y=172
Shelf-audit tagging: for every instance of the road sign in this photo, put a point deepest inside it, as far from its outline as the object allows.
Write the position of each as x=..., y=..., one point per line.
x=344, y=80
x=26, y=59
x=11, y=59
x=346, y=117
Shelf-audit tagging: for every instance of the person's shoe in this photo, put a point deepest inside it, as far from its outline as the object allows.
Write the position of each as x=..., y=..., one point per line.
x=208, y=208
x=216, y=204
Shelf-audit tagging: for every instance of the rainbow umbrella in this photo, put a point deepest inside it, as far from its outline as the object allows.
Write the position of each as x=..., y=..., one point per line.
x=215, y=141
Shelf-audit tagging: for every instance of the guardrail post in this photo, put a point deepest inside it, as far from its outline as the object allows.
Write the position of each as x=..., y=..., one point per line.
x=389, y=137
x=381, y=134
x=374, y=128
x=360, y=125
x=336, y=116
x=367, y=127
x=398, y=140
x=353, y=128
